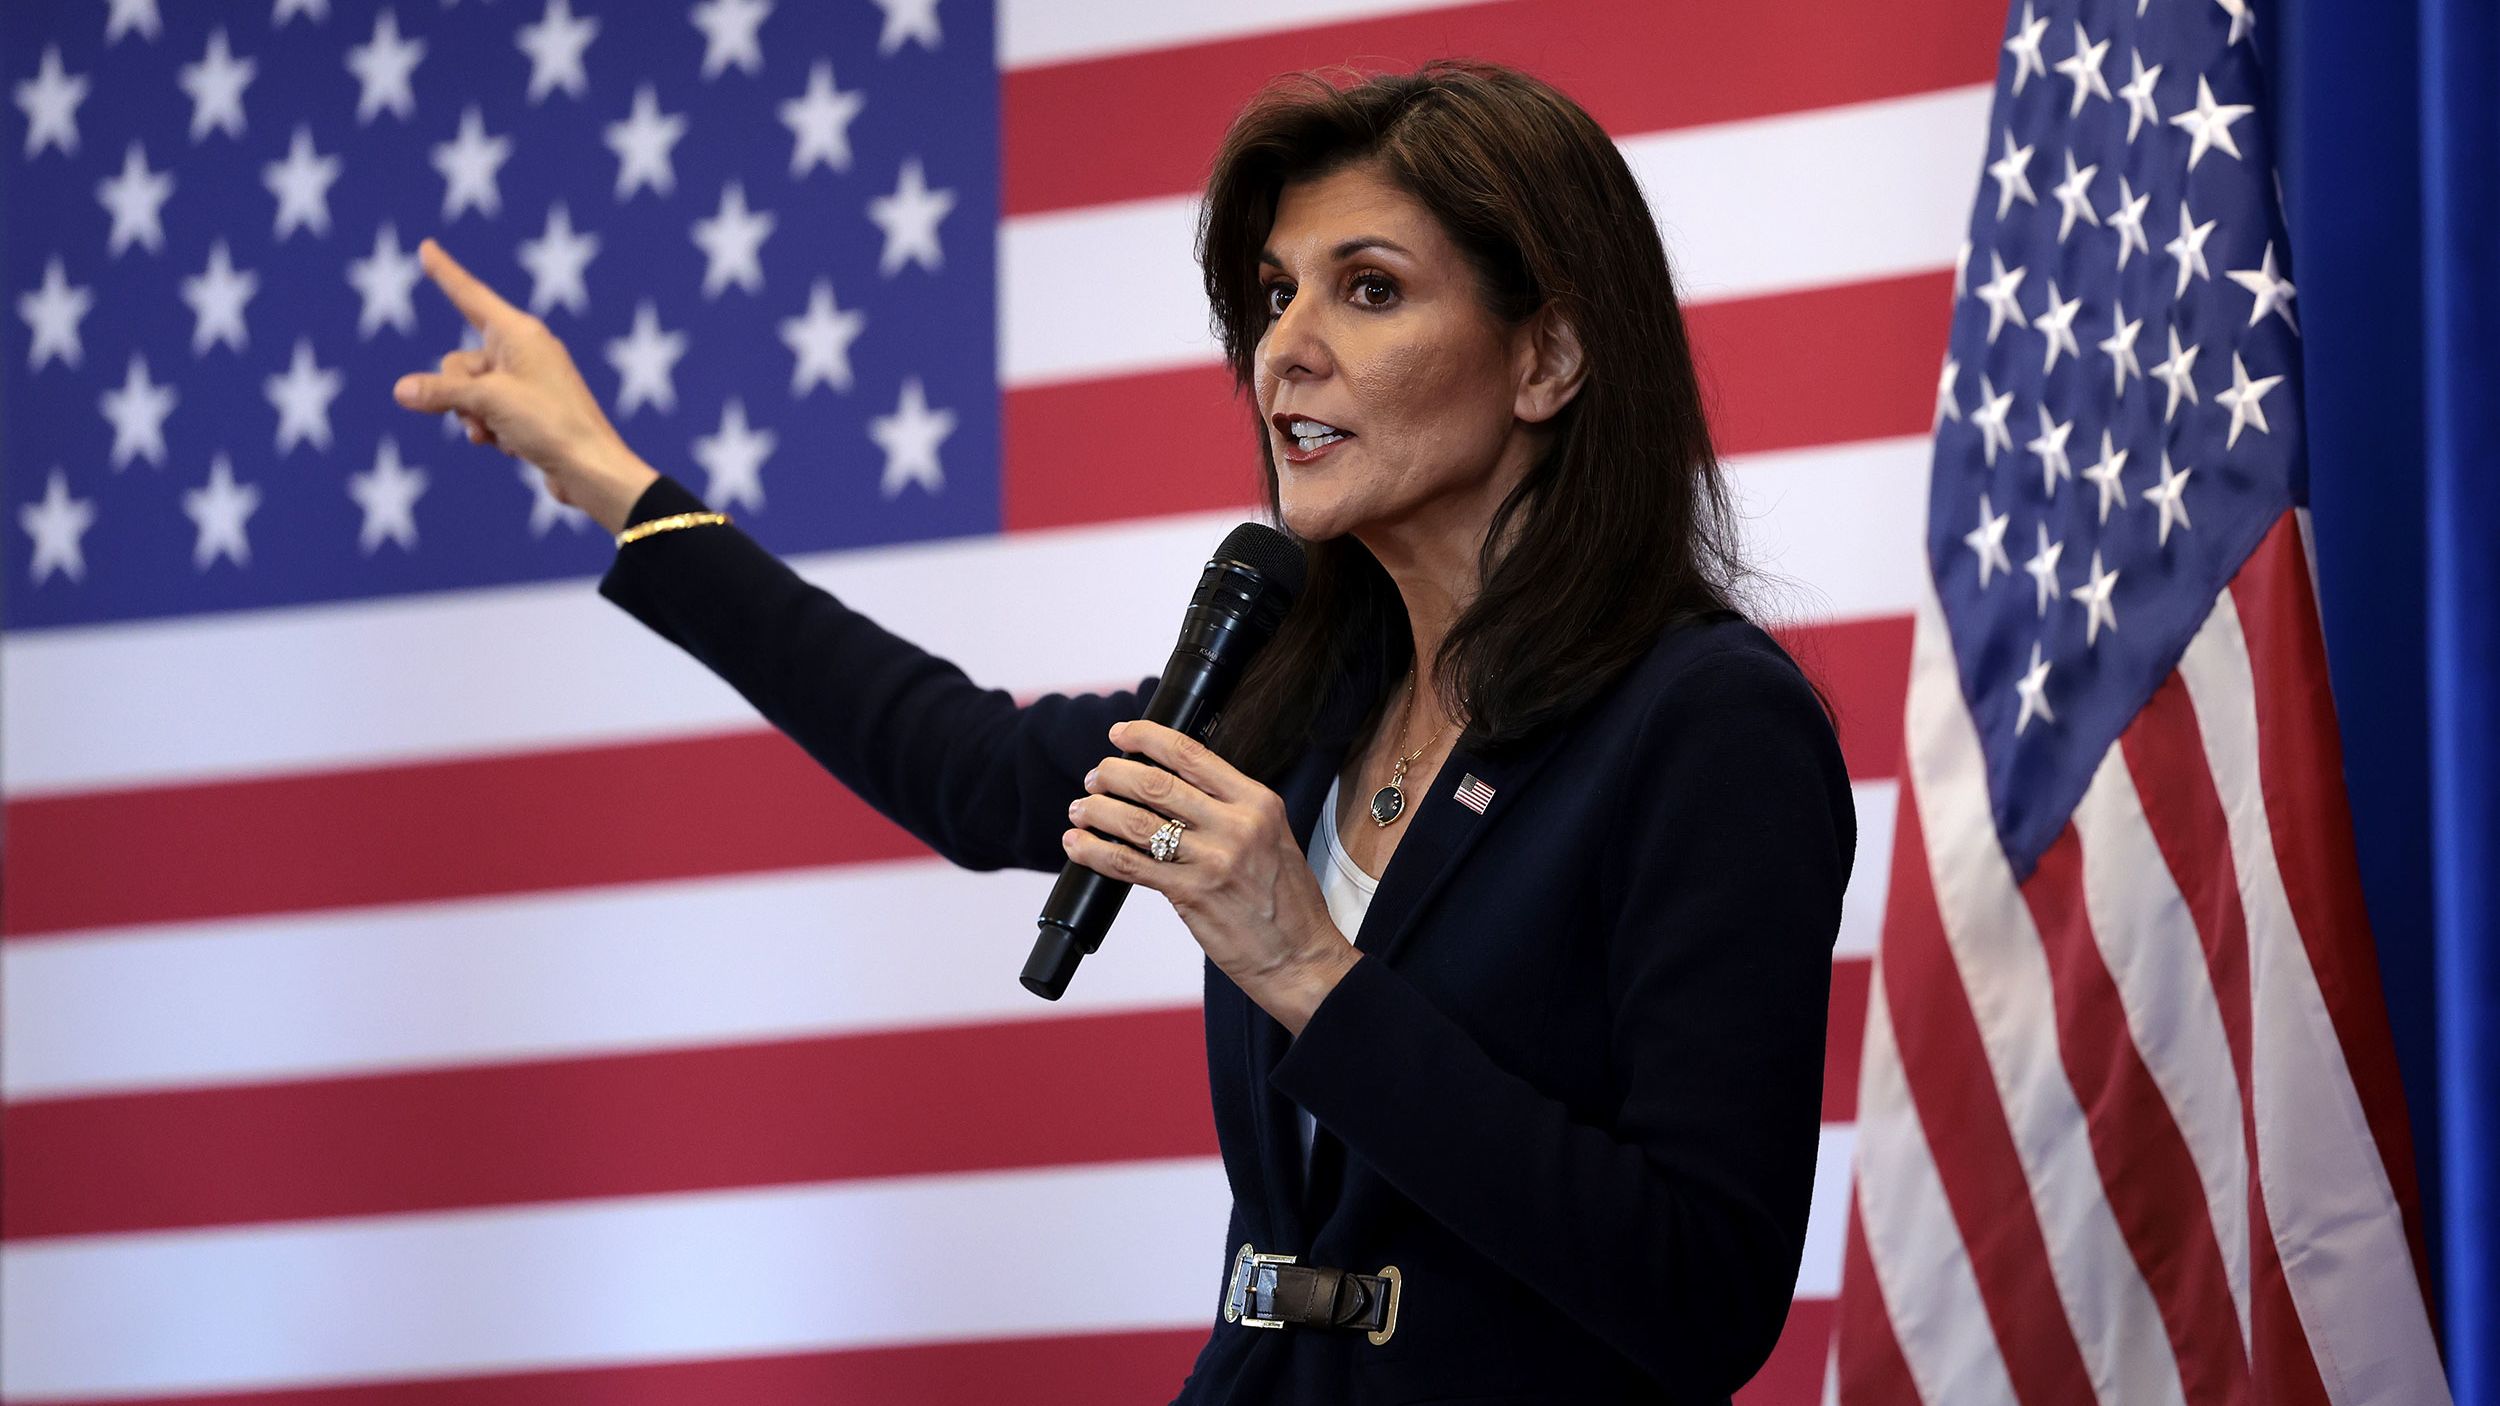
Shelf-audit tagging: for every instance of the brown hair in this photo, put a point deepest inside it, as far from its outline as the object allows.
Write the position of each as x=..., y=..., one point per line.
x=1623, y=526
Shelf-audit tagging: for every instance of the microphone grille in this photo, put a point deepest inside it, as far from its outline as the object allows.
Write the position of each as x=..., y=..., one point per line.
x=1268, y=552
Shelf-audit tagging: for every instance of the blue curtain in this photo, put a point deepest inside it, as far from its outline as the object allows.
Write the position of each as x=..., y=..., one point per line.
x=2391, y=141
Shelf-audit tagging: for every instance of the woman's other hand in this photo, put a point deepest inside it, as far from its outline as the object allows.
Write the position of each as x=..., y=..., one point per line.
x=520, y=393
x=1240, y=882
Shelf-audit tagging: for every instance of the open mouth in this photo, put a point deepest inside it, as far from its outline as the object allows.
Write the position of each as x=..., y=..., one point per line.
x=1306, y=436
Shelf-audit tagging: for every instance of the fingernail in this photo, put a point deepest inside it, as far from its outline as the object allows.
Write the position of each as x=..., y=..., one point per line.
x=1072, y=805
x=1089, y=778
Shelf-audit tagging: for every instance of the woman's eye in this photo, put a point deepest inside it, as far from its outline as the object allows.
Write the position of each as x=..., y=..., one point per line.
x=1370, y=284
x=1277, y=295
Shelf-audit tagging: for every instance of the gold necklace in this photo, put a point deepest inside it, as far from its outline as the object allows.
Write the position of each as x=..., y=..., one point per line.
x=1389, y=801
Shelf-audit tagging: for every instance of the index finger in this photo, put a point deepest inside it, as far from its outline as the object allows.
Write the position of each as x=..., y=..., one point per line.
x=477, y=302
x=1181, y=754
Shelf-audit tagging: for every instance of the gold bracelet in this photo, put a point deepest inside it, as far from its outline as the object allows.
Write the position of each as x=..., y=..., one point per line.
x=664, y=524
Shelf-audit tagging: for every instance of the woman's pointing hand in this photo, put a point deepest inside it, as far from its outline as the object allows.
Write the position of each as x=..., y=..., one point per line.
x=520, y=392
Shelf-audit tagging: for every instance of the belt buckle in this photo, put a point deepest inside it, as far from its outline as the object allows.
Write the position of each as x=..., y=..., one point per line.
x=1246, y=1263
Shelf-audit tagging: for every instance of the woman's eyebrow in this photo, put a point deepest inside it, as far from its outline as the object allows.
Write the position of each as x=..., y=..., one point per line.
x=1348, y=249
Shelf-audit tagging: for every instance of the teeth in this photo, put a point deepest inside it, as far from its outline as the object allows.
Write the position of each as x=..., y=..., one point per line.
x=1311, y=429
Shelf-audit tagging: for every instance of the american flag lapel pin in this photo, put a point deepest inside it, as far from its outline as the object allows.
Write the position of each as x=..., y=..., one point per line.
x=1473, y=793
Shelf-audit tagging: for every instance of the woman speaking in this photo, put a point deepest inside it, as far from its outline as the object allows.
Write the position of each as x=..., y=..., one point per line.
x=1517, y=856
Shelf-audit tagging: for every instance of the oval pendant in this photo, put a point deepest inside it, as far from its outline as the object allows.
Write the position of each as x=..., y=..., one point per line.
x=1386, y=803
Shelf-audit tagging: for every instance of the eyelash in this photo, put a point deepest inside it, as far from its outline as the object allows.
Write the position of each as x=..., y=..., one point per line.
x=1268, y=291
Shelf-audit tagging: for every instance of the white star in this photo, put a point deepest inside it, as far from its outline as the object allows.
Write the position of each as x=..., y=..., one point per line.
x=2273, y=291
x=220, y=510
x=1961, y=268
x=905, y=21
x=2084, y=67
x=2188, y=247
x=2050, y=445
x=555, y=261
x=1989, y=420
x=137, y=199
x=647, y=362
x=302, y=397
x=2128, y=221
x=53, y=313
x=2176, y=374
x=731, y=240
x=821, y=341
x=729, y=33
x=216, y=85
x=387, y=281
x=2139, y=95
x=2120, y=345
x=2169, y=496
x=1948, y=405
x=383, y=65
x=734, y=458
x=2032, y=688
x=546, y=510
x=2008, y=171
x=2208, y=124
x=2057, y=323
x=2243, y=19
x=57, y=524
x=217, y=295
x=910, y=218
x=555, y=44
x=820, y=122
x=1998, y=293
x=2094, y=593
x=2043, y=568
x=468, y=164
x=2242, y=398
x=642, y=143
x=388, y=493
x=910, y=438
x=2074, y=196
x=302, y=184
x=284, y=10
x=2104, y=476
x=2025, y=47
x=1988, y=540
x=50, y=100
x=137, y=411
x=132, y=16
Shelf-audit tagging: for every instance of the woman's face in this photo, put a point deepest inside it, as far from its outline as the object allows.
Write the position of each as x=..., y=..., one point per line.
x=1379, y=340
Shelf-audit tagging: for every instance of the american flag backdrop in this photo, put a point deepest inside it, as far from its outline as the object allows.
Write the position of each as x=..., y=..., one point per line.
x=419, y=983
x=2130, y=1128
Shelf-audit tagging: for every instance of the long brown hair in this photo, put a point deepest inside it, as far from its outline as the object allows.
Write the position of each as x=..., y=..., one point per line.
x=1621, y=529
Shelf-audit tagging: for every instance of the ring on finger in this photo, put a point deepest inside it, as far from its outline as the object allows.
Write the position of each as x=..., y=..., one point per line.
x=1166, y=844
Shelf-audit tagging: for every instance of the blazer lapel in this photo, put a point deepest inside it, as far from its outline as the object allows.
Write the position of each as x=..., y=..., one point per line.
x=1446, y=830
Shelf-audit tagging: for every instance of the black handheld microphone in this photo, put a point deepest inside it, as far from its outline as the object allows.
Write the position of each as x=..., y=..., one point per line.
x=1241, y=598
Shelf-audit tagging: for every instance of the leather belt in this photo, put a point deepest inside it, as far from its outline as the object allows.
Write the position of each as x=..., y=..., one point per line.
x=1272, y=1291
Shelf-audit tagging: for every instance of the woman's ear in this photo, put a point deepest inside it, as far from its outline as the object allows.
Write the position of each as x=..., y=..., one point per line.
x=1551, y=363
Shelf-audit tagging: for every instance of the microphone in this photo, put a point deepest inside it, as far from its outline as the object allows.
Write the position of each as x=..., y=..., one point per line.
x=1241, y=598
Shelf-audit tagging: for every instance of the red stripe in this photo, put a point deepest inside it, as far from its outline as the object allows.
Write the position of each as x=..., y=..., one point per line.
x=1148, y=124
x=1057, y=1371
x=1188, y=445
x=2147, y=1173
x=1947, y=1067
x=2300, y=758
x=967, y=1099
x=1793, y=1375
x=1872, y=1370
x=2165, y=754
x=633, y=1124
x=742, y=802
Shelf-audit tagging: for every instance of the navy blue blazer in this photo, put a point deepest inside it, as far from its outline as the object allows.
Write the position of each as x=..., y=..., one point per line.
x=1573, y=1088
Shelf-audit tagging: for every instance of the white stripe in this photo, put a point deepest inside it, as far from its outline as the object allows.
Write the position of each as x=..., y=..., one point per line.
x=1827, y=1219
x=2003, y=967
x=1930, y=1294
x=1870, y=190
x=1036, y=32
x=2327, y=1194
x=1870, y=873
x=640, y=967
x=2149, y=942
x=554, y=665
x=627, y=1280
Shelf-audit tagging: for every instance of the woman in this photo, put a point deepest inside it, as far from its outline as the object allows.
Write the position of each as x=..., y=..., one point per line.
x=1546, y=1132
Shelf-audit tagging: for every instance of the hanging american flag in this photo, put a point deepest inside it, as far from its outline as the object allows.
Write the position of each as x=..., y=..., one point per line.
x=2130, y=1128
x=419, y=983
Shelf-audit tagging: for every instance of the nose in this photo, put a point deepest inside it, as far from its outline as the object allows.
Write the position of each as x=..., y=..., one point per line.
x=1293, y=349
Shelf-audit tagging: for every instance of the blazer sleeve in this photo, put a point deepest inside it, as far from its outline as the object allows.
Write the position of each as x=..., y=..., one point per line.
x=1673, y=1232
x=978, y=779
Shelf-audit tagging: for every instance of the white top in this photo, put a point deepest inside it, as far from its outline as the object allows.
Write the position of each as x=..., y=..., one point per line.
x=1349, y=893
